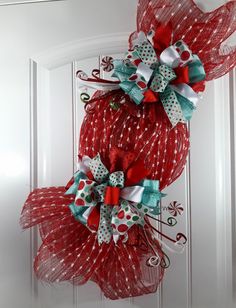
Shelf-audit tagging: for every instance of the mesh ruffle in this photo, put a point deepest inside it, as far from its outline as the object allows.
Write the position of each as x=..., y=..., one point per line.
x=203, y=32
x=148, y=133
x=70, y=252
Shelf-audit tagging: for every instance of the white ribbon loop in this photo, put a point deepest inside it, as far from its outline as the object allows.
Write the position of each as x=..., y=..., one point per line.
x=83, y=165
x=132, y=193
x=170, y=57
x=186, y=91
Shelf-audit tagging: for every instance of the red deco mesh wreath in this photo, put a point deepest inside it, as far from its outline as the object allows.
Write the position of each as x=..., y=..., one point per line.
x=69, y=250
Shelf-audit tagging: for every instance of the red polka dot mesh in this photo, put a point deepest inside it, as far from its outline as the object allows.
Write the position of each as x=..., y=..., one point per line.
x=69, y=251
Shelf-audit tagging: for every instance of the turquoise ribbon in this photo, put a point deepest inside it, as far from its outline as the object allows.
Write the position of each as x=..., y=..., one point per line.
x=151, y=195
x=187, y=106
x=77, y=177
x=78, y=212
x=130, y=88
x=122, y=70
x=196, y=70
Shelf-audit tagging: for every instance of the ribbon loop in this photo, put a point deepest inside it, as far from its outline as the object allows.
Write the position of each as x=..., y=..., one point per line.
x=151, y=196
x=112, y=195
x=171, y=105
x=99, y=171
x=133, y=91
x=163, y=76
x=117, y=179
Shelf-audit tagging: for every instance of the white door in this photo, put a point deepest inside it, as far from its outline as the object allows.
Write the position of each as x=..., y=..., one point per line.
x=43, y=43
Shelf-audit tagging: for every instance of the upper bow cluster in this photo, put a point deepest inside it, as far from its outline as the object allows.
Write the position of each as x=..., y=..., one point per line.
x=111, y=202
x=154, y=70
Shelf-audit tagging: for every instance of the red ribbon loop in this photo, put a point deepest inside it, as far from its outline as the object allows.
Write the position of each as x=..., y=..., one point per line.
x=112, y=195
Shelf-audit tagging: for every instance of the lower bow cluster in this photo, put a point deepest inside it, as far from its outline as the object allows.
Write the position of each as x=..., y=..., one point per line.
x=111, y=202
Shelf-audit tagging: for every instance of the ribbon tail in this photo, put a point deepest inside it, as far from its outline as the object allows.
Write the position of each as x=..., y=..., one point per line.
x=187, y=99
x=186, y=106
x=172, y=107
x=78, y=212
x=123, y=218
x=105, y=227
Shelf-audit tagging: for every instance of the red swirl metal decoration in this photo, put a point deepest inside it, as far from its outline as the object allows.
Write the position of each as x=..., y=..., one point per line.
x=134, y=264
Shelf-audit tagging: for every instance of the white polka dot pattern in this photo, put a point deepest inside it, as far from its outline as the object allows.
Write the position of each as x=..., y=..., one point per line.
x=117, y=179
x=146, y=53
x=172, y=106
x=100, y=172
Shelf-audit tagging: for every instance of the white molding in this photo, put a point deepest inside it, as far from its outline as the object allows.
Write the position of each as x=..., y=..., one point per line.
x=188, y=203
x=7, y=3
x=233, y=174
x=33, y=168
x=82, y=49
x=223, y=190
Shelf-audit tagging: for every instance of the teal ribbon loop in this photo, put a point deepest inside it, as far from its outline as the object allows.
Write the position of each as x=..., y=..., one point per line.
x=78, y=212
x=151, y=195
x=186, y=105
x=122, y=70
x=73, y=188
x=162, y=77
x=196, y=70
x=131, y=88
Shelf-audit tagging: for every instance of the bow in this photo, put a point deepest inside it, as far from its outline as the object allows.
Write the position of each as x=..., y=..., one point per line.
x=154, y=70
x=108, y=202
x=167, y=74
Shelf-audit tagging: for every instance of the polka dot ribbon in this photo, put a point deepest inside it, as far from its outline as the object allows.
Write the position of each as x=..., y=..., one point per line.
x=105, y=205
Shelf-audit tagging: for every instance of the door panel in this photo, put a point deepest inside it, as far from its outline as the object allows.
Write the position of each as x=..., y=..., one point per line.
x=40, y=123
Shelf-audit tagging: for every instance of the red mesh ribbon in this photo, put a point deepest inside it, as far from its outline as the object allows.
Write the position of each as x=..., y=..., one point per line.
x=70, y=252
x=202, y=32
x=163, y=149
